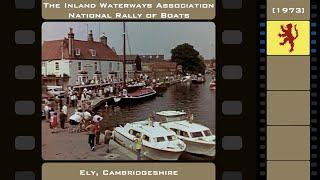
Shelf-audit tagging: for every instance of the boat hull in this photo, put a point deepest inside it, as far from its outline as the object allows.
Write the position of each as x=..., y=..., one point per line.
x=198, y=81
x=161, y=88
x=134, y=100
x=150, y=153
x=157, y=154
x=200, y=148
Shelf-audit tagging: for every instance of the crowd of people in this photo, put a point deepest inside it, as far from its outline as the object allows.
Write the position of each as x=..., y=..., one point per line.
x=75, y=108
x=80, y=117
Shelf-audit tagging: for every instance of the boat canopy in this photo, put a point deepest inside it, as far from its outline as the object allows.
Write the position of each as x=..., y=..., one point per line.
x=171, y=113
x=152, y=129
x=169, y=116
x=187, y=126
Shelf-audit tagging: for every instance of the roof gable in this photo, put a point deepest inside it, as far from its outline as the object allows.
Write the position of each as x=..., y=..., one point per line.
x=52, y=50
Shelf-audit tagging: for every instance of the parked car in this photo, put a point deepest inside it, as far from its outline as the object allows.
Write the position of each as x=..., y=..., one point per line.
x=56, y=90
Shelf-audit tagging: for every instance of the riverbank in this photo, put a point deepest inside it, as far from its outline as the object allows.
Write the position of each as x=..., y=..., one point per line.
x=197, y=98
x=64, y=145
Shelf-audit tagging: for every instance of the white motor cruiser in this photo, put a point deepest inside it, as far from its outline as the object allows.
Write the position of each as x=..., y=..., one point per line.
x=198, y=138
x=159, y=143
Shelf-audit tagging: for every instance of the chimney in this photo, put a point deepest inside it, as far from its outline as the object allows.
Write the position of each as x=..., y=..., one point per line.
x=70, y=44
x=104, y=39
x=90, y=36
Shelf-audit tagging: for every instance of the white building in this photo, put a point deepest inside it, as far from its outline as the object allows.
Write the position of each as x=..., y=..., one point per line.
x=82, y=61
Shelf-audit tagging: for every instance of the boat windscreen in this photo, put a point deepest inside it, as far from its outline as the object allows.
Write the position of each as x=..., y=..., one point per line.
x=160, y=139
x=196, y=134
x=207, y=132
x=171, y=138
x=176, y=118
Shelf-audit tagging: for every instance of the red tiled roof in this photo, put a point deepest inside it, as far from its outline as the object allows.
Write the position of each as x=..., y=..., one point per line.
x=52, y=50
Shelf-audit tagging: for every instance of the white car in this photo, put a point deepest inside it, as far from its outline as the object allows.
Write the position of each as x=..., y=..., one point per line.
x=56, y=90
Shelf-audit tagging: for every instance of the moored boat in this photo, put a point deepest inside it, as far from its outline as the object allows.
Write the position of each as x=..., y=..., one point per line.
x=198, y=79
x=212, y=85
x=135, y=94
x=160, y=87
x=174, y=81
x=186, y=79
x=198, y=138
x=159, y=143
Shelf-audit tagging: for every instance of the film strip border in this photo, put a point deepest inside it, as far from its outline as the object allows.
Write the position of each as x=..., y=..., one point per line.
x=236, y=81
x=261, y=91
x=293, y=167
x=25, y=78
x=234, y=109
x=314, y=90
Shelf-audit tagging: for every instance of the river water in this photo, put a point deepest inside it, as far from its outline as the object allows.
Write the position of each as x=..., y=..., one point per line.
x=196, y=98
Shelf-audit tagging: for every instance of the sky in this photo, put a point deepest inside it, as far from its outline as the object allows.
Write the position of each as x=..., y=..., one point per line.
x=143, y=37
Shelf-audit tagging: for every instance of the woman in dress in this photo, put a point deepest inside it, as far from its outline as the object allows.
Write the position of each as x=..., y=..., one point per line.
x=54, y=122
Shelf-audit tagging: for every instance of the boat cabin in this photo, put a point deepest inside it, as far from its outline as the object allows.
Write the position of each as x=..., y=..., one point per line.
x=151, y=132
x=169, y=116
x=178, y=121
x=189, y=130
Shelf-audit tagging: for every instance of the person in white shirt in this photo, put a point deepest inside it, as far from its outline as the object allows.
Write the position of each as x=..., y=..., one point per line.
x=100, y=93
x=83, y=97
x=65, y=109
x=111, y=89
x=69, y=97
x=86, y=115
x=46, y=110
x=75, y=100
x=72, y=100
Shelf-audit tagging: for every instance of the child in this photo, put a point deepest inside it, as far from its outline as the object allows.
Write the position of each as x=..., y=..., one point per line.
x=107, y=137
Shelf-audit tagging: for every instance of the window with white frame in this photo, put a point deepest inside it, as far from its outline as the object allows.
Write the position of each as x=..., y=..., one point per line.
x=110, y=67
x=78, y=52
x=118, y=67
x=95, y=66
x=93, y=52
x=79, y=66
x=57, y=66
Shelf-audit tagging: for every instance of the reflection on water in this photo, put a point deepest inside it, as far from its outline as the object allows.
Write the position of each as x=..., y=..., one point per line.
x=196, y=98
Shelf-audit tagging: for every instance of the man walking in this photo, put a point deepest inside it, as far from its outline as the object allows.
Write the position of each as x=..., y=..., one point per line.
x=62, y=118
x=91, y=132
x=98, y=132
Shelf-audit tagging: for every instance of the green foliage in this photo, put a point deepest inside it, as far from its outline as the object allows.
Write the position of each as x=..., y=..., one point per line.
x=189, y=58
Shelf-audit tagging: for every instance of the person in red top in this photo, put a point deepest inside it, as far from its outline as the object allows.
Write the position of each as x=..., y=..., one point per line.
x=54, y=122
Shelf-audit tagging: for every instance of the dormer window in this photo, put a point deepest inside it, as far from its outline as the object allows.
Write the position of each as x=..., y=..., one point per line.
x=77, y=52
x=93, y=52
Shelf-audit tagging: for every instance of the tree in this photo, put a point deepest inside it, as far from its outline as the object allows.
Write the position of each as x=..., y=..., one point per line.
x=189, y=58
x=138, y=63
